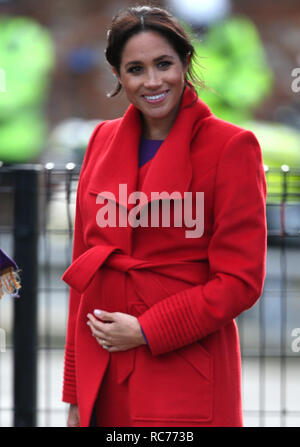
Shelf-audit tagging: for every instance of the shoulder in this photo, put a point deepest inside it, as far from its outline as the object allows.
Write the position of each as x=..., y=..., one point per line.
x=220, y=130
x=219, y=136
x=238, y=149
x=101, y=134
x=105, y=129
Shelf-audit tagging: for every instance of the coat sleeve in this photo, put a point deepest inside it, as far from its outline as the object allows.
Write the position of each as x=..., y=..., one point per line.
x=236, y=255
x=69, y=380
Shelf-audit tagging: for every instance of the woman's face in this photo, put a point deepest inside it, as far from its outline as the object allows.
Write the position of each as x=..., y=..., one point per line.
x=152, y=76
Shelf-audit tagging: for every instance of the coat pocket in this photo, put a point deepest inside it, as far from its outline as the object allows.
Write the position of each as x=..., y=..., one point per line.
x=174, y=387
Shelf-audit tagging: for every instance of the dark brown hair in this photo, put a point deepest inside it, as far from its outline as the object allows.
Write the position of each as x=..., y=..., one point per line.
x=136, y=19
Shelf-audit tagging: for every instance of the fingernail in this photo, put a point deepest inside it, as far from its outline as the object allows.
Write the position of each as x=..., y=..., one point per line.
x=97, y=312
x=88, y=323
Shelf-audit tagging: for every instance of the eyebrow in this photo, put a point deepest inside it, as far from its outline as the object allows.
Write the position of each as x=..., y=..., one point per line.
x=157, y=59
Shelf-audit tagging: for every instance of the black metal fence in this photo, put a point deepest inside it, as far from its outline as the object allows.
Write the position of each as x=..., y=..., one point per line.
x=37, y=205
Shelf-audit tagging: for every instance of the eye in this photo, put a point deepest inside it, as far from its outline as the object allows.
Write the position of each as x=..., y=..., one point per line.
x=164, y=64
x=135, y=69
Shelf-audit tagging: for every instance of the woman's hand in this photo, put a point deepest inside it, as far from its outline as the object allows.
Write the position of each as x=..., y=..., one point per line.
x=73, y=416
x=116, y=331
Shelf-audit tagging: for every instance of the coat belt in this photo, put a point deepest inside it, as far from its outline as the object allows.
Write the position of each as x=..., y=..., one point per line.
x=82, y=270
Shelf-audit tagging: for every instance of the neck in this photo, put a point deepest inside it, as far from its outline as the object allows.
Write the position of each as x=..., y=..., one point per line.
x=155, y=131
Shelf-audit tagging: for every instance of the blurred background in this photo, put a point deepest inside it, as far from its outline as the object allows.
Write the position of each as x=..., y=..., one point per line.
x=54, y=82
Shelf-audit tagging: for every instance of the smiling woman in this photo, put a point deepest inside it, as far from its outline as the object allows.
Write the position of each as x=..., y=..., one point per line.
x=151, y=337
x=151, y=62
x=153, y=78
x=130, y=22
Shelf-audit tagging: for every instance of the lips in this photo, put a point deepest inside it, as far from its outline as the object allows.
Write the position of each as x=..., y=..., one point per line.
x=158, y=97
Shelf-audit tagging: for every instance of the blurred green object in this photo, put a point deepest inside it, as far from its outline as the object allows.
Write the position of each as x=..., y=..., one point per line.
x=281, y=148
x=27, y=57
x=281, y=143
x=234, y=65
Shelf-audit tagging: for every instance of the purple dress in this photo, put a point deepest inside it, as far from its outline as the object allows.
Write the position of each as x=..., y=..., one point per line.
x=147, y=150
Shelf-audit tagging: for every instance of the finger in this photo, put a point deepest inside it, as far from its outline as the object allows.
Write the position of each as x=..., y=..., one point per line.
x=104, y=315
x=110, y=348
x=115, y=348
x=96, y=332
x=118, y=348
x=104, y=343
x=97, y=323
x=93, y=319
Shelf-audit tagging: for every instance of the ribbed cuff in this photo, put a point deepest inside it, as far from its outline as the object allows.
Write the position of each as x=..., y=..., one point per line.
x=69, y=385
x=171, y=323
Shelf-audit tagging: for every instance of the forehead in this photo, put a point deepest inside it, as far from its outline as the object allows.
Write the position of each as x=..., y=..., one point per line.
x=146, y=45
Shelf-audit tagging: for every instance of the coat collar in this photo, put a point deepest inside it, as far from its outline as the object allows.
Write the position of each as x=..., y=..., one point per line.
x=170, y=169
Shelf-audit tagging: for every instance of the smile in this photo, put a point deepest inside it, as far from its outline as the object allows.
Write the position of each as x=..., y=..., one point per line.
x=156, y=98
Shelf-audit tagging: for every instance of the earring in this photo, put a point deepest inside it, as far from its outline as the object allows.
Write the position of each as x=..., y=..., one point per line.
x=119, y=87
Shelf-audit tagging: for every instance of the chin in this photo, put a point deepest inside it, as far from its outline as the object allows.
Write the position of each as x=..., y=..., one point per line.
x=161, y=112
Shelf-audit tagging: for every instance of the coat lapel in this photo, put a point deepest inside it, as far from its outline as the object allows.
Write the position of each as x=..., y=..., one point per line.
x=170, y=169
x=117, y=163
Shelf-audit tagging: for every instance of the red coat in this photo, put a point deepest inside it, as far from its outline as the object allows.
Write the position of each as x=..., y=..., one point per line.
x=185, y=291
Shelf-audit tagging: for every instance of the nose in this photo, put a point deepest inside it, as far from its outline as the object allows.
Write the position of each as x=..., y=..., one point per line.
x=152, y=80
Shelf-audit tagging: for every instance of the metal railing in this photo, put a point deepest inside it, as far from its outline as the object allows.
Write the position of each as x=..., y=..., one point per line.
x=37, y=206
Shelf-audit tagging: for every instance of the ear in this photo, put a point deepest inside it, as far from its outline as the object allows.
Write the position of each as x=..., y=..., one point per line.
x=116, y=73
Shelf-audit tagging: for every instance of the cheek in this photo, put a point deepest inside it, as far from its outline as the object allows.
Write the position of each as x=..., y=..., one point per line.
x=176, y=78
x=130, y=89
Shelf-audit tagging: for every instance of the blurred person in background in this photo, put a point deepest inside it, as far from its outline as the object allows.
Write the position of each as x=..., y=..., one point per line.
x=27, y=57
x=233, y=58
x=9, y=278
x=235, y=66
x=151, y=337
